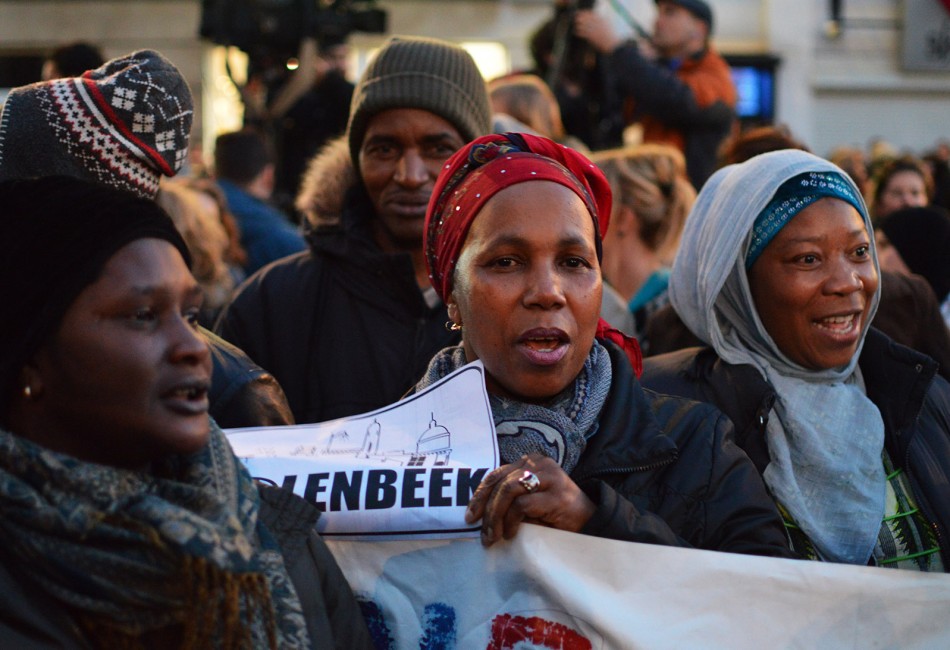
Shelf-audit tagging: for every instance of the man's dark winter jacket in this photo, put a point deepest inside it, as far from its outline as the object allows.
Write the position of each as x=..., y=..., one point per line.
x=30, y=619
x=913, y=400
x=664, y=470
x=343, y=326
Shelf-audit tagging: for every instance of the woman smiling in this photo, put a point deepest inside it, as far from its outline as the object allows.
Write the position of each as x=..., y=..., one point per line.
x=777, y=273
x=127, y=520
x=513, y=244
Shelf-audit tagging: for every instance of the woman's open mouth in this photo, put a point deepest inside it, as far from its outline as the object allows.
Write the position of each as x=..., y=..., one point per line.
x=544, y=346
x=842, y=327
x=187, y=398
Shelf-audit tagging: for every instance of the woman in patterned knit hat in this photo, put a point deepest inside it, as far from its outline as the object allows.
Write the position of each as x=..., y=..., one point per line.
x=778, y=274
x=513, y=246
x=127, y=519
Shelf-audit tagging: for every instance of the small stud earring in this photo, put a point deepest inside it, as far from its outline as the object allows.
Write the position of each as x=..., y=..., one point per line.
x=452, y=326
x=28, y=391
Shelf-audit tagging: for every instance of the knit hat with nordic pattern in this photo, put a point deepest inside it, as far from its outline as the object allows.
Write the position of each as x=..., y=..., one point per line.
x=123, y=124
x=426, y=73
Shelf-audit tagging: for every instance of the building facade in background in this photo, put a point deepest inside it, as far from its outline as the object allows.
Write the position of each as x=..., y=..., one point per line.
x=852, y=81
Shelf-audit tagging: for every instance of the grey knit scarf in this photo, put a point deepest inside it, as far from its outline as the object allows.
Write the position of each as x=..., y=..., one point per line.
x=559, y=429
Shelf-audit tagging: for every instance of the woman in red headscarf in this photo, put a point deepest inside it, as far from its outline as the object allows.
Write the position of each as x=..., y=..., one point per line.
x=513, y=243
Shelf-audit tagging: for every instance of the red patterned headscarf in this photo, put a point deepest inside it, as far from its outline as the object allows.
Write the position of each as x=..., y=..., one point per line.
x=489, y=164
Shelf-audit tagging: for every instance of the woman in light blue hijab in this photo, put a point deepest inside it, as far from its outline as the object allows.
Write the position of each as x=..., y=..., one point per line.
x=778, y=275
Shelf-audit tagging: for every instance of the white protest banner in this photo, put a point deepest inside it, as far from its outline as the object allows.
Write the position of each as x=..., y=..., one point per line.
x=407, y=469
x=552, y=589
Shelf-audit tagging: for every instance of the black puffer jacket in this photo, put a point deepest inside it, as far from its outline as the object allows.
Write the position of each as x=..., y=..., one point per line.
x=334, y=618
x=242, y=393
x=30, y=619
x=344, y=326
x=664, y=470
x=913, y=400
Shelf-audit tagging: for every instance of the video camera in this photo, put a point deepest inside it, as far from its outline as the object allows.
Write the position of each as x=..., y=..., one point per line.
x=274, y=28
x=568, y=61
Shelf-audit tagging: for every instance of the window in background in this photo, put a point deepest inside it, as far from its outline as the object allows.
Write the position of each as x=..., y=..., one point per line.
x=492, y=59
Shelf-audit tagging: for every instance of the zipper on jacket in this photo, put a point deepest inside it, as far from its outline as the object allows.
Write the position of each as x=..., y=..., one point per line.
x=629, y=470
x=918, y=492
x=925, y=509
x=762, y=413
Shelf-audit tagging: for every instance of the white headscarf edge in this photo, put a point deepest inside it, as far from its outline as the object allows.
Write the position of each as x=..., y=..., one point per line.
x=717, y=233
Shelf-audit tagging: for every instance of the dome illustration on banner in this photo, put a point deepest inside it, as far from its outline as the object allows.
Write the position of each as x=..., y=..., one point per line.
x=433, y=447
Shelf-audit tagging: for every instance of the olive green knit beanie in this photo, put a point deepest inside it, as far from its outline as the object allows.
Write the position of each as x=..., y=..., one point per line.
x=426, y=73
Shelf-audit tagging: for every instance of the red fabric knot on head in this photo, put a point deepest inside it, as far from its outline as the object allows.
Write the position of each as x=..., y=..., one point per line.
x=483, y=153
x=629, y=345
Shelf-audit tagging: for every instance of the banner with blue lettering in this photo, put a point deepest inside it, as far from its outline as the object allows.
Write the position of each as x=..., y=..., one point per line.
x=407, y=469
x=553, y=589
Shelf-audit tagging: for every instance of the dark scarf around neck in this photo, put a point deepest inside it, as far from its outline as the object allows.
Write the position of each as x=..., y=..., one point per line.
x=134, y=556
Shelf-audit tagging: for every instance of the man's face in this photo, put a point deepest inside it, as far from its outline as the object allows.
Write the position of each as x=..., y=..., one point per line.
x=677, y=31
x=400, y=158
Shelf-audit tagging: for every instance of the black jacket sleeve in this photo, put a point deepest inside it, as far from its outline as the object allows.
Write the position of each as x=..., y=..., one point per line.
x=711, y=494
x=333, y=615
x=242, y=393
x=666, y=470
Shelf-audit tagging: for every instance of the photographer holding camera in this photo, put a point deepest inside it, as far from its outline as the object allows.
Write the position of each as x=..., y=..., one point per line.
x=683, y=94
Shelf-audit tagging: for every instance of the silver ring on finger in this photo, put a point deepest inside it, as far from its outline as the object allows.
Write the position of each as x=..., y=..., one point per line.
x=529, y=481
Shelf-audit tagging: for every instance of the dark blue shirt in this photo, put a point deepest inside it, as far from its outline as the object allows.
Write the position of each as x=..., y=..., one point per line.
x=266, y=234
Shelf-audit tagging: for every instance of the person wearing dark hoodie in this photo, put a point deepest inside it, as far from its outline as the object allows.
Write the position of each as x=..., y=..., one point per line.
x=916, y=240
x=349, y=325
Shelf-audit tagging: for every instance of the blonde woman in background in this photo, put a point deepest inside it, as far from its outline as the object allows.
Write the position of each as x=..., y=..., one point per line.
x=204, y=233
x=652, y=196
x=212, y=198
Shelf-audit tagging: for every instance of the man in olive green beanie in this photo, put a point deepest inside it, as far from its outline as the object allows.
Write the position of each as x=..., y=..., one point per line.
x=350, y=324
x=424, y=74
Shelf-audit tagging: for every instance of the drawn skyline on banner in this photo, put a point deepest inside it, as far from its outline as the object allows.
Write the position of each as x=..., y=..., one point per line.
x=433, y=447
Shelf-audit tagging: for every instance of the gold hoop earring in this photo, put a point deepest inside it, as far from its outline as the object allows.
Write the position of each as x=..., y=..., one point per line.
x=452, y=326
x=28, y=391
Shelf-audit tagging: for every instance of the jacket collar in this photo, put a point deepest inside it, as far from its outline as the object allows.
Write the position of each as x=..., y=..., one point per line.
x=675, y=63
x=629, y=437
x=897, y=380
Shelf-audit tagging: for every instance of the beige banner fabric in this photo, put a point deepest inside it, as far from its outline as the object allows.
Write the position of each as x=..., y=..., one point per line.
x=551, y=589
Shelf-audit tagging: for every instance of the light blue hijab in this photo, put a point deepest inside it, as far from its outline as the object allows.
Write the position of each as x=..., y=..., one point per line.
x=825, y=437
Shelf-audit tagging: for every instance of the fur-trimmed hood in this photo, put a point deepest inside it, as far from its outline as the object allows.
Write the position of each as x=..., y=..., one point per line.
x=329, y=178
